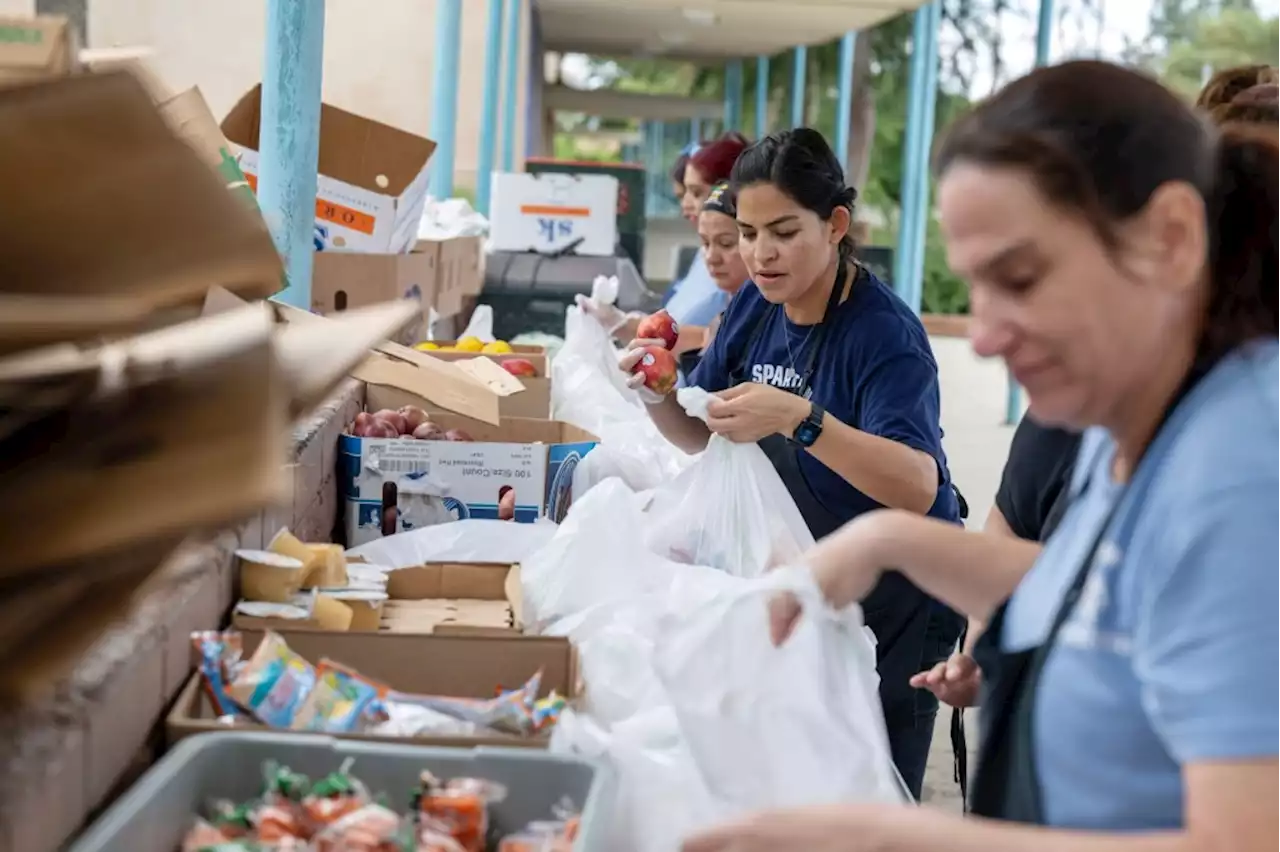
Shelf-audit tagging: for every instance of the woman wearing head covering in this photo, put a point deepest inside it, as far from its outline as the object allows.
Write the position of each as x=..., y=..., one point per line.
x=1123, y=261
x=707, y=165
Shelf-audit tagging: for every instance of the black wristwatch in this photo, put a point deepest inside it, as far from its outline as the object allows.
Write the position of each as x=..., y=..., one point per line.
x=810, y=428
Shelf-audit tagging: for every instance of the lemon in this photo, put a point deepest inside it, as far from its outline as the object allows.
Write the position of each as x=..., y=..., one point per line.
x=427, y=346
x=469, y=344
x=498, y=347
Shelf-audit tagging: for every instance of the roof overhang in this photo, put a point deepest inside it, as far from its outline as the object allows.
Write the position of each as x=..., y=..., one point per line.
x=704, y=29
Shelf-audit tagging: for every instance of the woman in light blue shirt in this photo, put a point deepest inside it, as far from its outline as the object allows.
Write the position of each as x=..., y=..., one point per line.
x=1122, y=258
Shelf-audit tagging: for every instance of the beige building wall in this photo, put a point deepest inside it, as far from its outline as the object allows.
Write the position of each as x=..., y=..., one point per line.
x=377, y=63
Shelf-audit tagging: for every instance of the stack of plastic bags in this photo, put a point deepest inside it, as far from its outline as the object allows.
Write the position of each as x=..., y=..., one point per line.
x=665, y=594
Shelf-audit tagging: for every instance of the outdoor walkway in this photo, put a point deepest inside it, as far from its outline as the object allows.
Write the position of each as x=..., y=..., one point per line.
x=973, y=401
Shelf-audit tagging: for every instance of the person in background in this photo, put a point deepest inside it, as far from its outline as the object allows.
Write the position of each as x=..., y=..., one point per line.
x=1030, y=500
x=718, y=232
x=706, y=166
x=822, y=365
x=1122, y=257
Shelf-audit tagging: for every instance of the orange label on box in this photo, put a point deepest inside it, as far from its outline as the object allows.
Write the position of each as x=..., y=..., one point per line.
x=338, y=214
x=552, y=210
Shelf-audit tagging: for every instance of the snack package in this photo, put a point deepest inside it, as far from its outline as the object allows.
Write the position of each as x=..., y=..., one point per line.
x=334, y=797
x=394, y=719
x=338, y=701
x=510, y=712
x=273, y=684
x=371, y=828
x=202, y=836
x=219, y=654
x=458, y=809
x=548, y=836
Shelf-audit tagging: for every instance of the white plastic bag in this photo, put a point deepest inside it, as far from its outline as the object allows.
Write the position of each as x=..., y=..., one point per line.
x=449, y=218
x=472, y=540
x=480, y=326
x=777, y=727
x=728, y=510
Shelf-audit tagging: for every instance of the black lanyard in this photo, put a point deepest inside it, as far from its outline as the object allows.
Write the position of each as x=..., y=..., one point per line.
x=810, y=358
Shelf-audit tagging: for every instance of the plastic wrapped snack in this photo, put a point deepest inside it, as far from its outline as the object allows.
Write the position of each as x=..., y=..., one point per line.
x=334, y=797
x=338, y=702
x=371, y=828
x=510, y=712
x=458, y=809
x=274, y=683
x=219, y=654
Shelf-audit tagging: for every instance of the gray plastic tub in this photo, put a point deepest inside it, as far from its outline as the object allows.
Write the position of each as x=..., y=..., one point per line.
x=157, y=811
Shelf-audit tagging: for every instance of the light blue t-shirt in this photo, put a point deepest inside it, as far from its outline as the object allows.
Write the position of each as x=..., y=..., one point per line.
x=708, y=309
x=687, y=293
x=1171, y=655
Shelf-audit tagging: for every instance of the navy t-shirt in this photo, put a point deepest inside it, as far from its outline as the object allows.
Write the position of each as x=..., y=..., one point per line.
x=875, y=372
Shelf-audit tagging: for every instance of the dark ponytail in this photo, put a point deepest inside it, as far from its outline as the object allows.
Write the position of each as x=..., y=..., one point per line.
x=1242, y=211
x=802, y=165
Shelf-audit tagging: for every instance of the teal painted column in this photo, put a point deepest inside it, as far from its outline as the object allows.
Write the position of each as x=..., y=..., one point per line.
x=762, y=96
x=489, y=103
x=695, y=130
x=289, y=137
x=733, y=95
x=924, y=151
x=844, y=99
x=511, y=79
x=444, y=95
x=799, y=68
x=921, y=94
x=1044, y=52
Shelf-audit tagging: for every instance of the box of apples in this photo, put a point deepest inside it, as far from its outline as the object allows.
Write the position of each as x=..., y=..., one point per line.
x=402, y=469
x=526, y=363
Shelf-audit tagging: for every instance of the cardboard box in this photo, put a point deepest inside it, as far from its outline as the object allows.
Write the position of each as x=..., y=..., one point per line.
x=549, y=212
x=372, y=177
x=190, y=117
x=135, y=60
x=536, y=458
x=343, y=280
x=455, y=598
x=534, y=401
x=461, y=261
x=37, y=48
x=114, y=223
x=462, y=666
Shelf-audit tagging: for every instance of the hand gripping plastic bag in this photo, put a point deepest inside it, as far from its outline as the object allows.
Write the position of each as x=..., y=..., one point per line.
x=728, y=510
x=777, y=727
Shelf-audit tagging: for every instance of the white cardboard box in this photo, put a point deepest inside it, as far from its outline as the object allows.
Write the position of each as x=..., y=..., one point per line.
x=548, y=212
x=372, y=182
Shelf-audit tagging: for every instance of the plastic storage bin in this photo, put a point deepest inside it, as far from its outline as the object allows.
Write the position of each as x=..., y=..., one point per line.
x=156, y=812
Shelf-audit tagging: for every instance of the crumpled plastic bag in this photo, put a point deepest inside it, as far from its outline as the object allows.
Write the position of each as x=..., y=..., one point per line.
x=480, y=326
x=777, y=727
x=728, y=510
x=472, y=540
x=590, y=392
x=444, y=219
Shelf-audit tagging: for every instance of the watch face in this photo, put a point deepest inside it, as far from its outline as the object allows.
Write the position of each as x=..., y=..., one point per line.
x=806, y=434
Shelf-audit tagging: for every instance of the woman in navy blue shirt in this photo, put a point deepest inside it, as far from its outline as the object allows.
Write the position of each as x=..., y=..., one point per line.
x=820, y=363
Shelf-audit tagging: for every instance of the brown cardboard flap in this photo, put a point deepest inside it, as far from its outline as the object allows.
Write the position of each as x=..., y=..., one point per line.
x=515, y=430
x=492, y=376
x=449, y=580
x=34, y=47
x=104, y=200
x=431, y=381
x=188, y=114
x=353, y=149
x=186, y=433
x=135, y=60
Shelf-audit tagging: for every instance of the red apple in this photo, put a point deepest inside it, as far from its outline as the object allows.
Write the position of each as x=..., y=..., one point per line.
x=361, y=426
x=413, y=417
x=507, y=503
x=457, y=435
x=520, y=367
x=395, y=418
x=381, y=429
x=429, y=431
x=658, y=366
x=659, y=326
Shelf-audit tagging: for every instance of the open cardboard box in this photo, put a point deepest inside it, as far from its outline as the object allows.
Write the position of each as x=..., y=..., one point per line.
x=455, y=598
x=372, y=181
x=461, y=666
x=535, y=458
x=115, y=224
x=534, y=401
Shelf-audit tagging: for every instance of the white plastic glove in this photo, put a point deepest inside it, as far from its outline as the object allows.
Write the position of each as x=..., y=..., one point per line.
x=611, y=318
x=627, y=363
